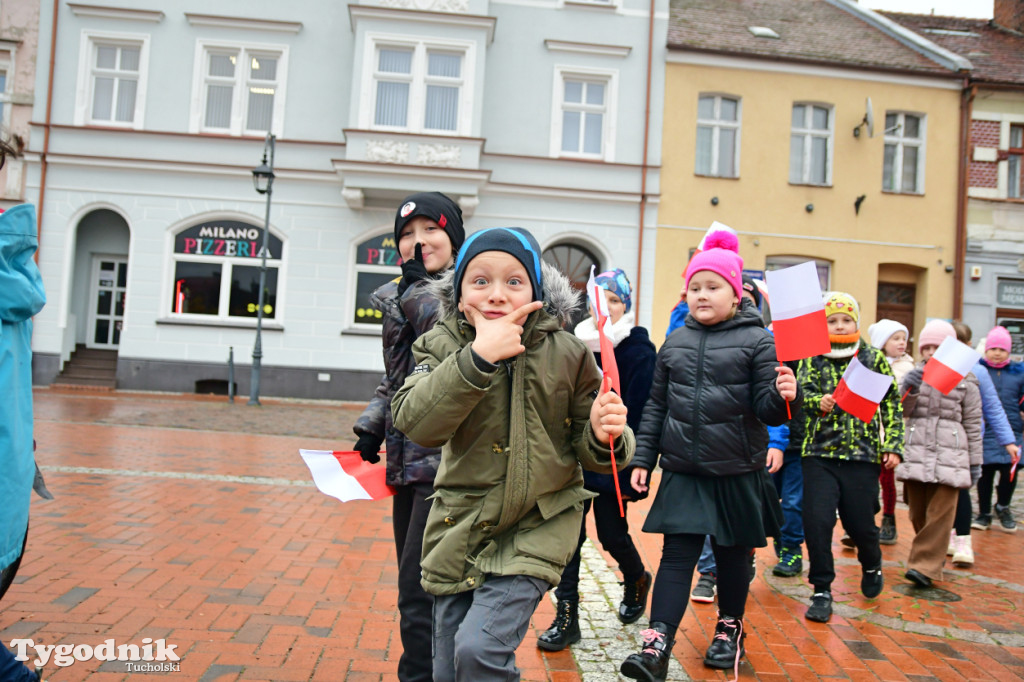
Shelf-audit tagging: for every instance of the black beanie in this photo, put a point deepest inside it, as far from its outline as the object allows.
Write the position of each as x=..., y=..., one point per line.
x=514, y=241
x=436, y=206
x=749, y=285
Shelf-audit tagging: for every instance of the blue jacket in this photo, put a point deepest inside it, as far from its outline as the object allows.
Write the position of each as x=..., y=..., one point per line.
x=1009, y=384
x=21, y=297
x=992, y=411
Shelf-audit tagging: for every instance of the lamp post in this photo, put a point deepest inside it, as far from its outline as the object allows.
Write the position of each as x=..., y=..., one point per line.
x=263, y=180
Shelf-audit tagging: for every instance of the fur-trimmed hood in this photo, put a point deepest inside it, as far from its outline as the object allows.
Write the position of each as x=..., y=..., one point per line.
x=559, y=296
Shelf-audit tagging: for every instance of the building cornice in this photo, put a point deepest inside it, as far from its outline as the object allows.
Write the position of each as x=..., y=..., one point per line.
x=274, y=25
x=155, y=16
x=588, y=48
x=473, y=21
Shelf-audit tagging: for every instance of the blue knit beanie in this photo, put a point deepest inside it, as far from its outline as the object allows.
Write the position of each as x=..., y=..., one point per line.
x=514, y=241
x=616, y=282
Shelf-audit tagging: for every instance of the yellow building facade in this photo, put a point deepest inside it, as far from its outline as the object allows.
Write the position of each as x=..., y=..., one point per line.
x=893, y=248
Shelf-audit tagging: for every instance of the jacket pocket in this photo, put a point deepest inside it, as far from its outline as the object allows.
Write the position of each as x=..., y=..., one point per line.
x=448, y=534
x=555, y=528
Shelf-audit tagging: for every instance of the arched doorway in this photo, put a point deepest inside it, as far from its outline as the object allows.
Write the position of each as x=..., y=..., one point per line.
x=101, y=279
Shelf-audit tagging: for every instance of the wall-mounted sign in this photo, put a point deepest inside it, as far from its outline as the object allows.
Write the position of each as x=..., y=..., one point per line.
x=1010, y=293
x=229, y=238
x=380, y=250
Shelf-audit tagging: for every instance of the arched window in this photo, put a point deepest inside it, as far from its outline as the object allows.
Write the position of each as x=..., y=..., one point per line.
x=574, y=262
x=217, y=271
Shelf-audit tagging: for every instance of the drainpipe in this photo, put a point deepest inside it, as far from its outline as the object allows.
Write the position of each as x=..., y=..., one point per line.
x=44, y=165
x=966, y=110
x=643, y=166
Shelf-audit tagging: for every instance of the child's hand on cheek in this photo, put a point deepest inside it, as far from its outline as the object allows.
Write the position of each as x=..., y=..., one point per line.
x=499, y=338
x=827, y=403
x=785, y=383
x=607, y=415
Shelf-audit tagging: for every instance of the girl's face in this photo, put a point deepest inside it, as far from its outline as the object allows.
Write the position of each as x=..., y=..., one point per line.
x=896, y=346
x=616, y=308
x=997, y=355
x=437, y=247
x=710, y=297
x=841, y=324
x=928, y=351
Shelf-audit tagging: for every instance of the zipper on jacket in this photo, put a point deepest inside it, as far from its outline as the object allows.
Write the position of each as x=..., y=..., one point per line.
x=698, y=386
x=956, y=438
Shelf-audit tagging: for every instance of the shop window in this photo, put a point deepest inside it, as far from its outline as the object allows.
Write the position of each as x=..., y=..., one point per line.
x=377, y=262
x=217, y=271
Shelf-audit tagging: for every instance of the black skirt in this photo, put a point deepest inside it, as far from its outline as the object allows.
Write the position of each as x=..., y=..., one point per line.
x=741, y=510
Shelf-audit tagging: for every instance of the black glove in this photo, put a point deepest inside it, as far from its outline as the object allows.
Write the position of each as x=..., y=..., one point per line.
x=913, y=379
x=368, y=445
x=413, y=270
x=975, y=473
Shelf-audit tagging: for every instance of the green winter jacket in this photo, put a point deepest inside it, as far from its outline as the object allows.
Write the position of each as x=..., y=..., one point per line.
x=838, y=434
x=509, y=491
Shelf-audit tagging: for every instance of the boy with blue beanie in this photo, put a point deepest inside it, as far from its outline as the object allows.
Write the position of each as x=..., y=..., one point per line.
x=517, y=406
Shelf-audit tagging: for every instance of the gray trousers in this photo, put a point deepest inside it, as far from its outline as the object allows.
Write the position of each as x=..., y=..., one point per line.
x=476, y=633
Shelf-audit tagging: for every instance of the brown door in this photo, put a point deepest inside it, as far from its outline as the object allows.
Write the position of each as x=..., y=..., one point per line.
x=896, y=302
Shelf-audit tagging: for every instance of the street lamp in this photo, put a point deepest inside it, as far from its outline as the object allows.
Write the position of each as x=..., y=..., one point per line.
x=263, y=181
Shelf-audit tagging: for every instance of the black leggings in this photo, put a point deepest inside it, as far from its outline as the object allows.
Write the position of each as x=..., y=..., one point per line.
x=675, y=573
x=1004, y=489
x=962, y=520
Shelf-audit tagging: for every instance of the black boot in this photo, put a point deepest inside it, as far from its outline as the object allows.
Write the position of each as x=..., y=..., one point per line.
x=727, y=647
x=651, y=663
x=887, y=533
x=634, y=598
x=566, y=628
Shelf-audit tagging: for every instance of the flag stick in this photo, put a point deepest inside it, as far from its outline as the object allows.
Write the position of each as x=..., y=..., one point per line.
x=905, y=394
x=606, y=386
x=789, y=413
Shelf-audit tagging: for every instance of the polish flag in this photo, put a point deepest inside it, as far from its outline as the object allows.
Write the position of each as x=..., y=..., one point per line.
x=860, y=390
x=344, y=475
x=798, y=312
x=715, y=227
x=595, y=294
x=950, y=364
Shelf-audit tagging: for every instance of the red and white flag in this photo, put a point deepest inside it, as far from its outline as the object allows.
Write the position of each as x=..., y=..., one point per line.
x=344, y=475
x=950, y=364
x=595, y=295
x=798, y=312
x=860, y=390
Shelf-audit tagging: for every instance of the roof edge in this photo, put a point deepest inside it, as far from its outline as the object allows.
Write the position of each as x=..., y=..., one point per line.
x=914, y=41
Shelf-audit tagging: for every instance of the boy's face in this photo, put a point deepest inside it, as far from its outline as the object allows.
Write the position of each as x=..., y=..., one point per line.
x=997, y=355
x=495, y=283
x=710, y=297
x=437, y=247
x=928, y=351
x=896, y=346
x=616, y=308
x=840, y=324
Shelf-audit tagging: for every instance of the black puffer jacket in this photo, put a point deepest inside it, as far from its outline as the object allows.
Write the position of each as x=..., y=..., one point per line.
x=406, y=318
x=713, y=392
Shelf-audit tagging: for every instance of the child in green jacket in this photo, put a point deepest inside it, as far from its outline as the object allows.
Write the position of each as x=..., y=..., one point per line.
x=517, y=404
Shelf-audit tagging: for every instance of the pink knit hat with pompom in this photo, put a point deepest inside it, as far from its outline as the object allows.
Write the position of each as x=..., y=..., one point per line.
x=721, y=256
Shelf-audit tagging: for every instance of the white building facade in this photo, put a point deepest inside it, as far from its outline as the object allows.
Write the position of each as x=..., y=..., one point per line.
x=528, y=113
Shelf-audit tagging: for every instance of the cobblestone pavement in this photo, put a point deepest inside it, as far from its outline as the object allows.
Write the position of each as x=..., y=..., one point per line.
x=194, y=520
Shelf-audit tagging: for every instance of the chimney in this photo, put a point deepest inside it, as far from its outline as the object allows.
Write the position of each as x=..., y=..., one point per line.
x=1009, y=14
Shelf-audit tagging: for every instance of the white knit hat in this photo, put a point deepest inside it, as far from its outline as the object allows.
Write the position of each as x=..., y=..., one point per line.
x=882, y=331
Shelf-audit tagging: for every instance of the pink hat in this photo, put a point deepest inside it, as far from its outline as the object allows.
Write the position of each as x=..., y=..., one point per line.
x=998, y=338
x=934, y=333
x=721, y=256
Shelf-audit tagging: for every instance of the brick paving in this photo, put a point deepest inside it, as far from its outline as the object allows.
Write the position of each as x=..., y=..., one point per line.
x=194, y=520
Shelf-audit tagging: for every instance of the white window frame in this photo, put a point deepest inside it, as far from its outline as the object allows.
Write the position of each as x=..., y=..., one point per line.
x=5, y=94
x=239, y=103
x=226, y=263
x=717, y=124
x=354, y=272
x=808, y=134
x=610, y=79
x=894, y=136
x=90, y=40
x=418, y=81
x=1012, y=186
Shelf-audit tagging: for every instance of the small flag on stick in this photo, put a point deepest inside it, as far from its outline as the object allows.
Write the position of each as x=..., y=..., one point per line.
x=860, y=390
x=609, y=367
x=949, y=365
x=344, y=475
x=798, y=312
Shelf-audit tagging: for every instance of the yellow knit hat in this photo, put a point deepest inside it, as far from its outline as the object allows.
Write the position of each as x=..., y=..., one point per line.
x=841, y=302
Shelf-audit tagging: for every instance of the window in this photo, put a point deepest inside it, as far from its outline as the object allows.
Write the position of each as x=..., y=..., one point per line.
x=1015, y=186
x=583, y=117
x=420, y=87
x=810, y=145
x=241, y=89
x=377, y=262
x=824, y=267
x=903, y=164
x=112, y=80
x=4, y=98
x=217, y=271
x=718, y=132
